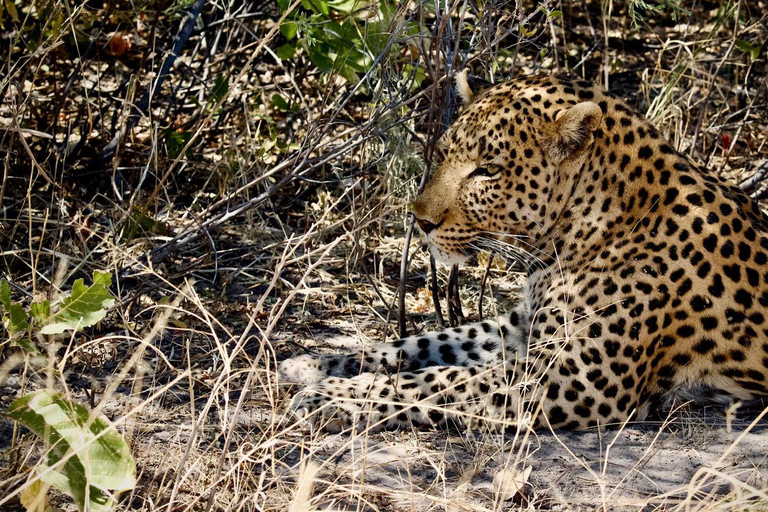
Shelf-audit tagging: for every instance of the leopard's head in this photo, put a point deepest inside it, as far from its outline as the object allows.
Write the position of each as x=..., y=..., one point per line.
x=506, y=167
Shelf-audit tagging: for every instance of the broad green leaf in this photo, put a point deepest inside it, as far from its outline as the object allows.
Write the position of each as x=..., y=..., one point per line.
x=318, y=6
x=40, y=311
x=349, y=73
x=84, y=307
x=283, y=5
x=87, y=459
x=102, y=279
x=14, y=316
x=5, y=294
x=280, y=103
x=344, y=6
x=285, y=52
x=289, y=29
x=318, y=54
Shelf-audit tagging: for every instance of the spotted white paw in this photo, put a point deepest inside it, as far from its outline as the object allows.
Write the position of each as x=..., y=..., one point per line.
x=302, y=370
x=338, y=404
x=316, y=407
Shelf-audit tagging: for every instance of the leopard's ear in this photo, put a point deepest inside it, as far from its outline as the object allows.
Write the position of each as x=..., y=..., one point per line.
x=468, y=87
x=572, y=131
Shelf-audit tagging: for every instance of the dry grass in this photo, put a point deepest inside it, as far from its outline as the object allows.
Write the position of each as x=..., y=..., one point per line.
x=241, y=229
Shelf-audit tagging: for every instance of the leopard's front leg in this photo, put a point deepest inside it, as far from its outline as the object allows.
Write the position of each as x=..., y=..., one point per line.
x=494, y=395
x=477, y=344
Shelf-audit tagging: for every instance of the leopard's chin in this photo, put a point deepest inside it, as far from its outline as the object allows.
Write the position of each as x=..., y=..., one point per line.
x=447, y=258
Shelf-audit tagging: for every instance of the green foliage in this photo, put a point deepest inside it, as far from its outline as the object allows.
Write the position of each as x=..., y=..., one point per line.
x=14, y=316
x=636, y=7
x=748, y=48
x=175, y=142
x=275, y=143
x=285, y=52
x=87, y=459
x=83, y=307
x=282, y=104
x=289, y=29
x=9, y=7
x=342, y=36
x=220, y=88
x=140, y=223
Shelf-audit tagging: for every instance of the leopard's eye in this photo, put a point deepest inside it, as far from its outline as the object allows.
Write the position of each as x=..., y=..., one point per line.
x=485, y=171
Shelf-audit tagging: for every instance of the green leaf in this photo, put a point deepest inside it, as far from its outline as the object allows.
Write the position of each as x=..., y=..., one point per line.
x=14, y=316
x=175, y=142
x=285, y=52
x=289, y=29
x=40, y=311
x=102, y=278
x=87, y=460
x=349, y=73
x=141, y=223
x=748, y=48
x=84, y=307
x=344, y=6
x=11, y=9
x=318, y=54
x=280, y=103
x=220, y=88
x=556, y=14
x=416, y=72
x=318, y=6
x=5, y=294
x=283, y=5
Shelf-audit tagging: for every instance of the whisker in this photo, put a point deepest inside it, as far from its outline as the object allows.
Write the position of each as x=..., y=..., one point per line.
x=511, y=252
x=518, y=249
x=518, y=238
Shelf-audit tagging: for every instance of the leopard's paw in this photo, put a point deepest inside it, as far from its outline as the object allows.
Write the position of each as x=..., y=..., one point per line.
x=317, y=409
x=302, y=370
x=336, y=404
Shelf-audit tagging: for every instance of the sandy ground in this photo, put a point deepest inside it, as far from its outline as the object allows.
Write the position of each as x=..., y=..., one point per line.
x=694, y=462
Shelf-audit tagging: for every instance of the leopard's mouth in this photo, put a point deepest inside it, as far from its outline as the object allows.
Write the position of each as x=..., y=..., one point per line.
x=451, y=252
x=427, y=227
x=448, y=242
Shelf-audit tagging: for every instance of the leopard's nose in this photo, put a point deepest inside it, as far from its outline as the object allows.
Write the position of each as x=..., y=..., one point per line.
x=425, y=225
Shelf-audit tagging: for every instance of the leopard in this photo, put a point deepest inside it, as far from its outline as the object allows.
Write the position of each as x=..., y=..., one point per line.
x=646, y=279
